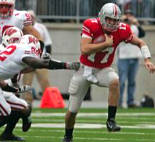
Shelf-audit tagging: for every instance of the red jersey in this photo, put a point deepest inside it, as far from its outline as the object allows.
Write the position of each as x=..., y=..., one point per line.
x=102, y=59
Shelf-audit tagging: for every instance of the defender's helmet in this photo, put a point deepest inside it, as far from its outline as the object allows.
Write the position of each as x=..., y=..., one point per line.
x=11, y=35
x=6, y=8
x=110, y=10
x=33, y=42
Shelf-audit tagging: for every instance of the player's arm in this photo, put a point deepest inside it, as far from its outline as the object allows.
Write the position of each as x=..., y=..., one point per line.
x=38, y=63
x=28, y=70
x=145, y=53
x=87, y=47
x=29, y=29
x=50, y=64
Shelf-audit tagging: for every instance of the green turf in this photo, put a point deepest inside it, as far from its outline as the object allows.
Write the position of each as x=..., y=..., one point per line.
x=137, y=118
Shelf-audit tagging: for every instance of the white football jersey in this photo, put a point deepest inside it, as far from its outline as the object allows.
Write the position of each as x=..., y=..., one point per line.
x=18, y=19
x=11, y=59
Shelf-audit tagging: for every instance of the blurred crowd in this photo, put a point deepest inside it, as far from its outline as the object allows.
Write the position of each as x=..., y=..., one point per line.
x=62, y=10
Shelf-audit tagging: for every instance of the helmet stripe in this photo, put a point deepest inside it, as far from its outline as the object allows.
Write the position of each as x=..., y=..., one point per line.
x=115, y=11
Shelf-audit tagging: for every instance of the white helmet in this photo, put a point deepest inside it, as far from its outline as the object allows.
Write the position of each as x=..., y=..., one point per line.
x=112, y=11
x=31, y=41
x=6, y=8
x=11, y=35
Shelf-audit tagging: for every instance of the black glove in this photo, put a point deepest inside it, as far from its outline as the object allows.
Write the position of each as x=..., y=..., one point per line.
x=41, y=44
x=48, y=49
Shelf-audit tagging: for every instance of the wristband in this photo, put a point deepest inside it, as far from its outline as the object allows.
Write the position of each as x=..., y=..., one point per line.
x=145, y=51
x=53, y=64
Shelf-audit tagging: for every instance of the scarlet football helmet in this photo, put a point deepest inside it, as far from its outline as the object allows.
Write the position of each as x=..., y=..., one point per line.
x=6, y=8
x=110, y=10
x=11, y=35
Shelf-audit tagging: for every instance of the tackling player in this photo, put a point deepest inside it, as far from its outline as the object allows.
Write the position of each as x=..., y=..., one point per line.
x=21, y=19
x=19, y=58
x=100, y=38
x=11, y=17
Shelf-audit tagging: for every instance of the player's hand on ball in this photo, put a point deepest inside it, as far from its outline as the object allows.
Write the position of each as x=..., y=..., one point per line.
x=109, y=40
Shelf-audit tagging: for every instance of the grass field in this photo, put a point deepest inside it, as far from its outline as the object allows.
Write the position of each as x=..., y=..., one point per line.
x=138, y=125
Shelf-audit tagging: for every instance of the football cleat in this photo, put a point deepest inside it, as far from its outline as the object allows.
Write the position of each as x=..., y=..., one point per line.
x=112, y=126
x=67, y=139
x=73, y=65
x=10, y=137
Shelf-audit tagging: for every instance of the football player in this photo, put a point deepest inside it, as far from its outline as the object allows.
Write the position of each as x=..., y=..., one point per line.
x=20, y=58
x=100, y=37
x=9, y=17
x=12, y=107
x=21, y=19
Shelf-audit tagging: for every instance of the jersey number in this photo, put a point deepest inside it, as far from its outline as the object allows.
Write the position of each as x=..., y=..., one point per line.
x=9, y=50
x=109, y=51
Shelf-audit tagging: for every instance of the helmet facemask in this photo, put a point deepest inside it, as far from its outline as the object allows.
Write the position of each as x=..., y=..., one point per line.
x=110, y=17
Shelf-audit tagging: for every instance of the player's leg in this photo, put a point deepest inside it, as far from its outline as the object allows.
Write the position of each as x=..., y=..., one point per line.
x=27, y=80
x=42, y=76
x=108, y=77
x=5, y=109
x=7, y=134
x=77, y=89
x=133, y=68
x=10, y=118
x=123, y=66
x=23, y=109
x=19, y=110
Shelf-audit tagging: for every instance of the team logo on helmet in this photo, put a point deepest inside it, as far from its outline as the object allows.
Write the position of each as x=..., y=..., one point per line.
x=11, y=35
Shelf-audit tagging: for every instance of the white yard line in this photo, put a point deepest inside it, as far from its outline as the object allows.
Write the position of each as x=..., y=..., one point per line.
x=92, y=114
x=88, y=126
x=96, y=132
x=95, y=139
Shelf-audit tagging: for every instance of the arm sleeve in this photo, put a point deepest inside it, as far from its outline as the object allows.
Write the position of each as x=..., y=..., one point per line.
x=126, y=33
x=86, y=28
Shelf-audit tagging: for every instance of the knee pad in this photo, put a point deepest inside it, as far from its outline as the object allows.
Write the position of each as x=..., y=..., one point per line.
x=74, y=85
